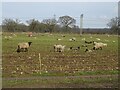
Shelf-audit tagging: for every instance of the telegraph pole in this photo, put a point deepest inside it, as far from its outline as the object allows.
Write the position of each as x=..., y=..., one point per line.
x=81, y=24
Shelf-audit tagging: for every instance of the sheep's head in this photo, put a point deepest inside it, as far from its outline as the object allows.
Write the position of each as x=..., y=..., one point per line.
x=78, y=47
x=18, y=50
x=86, y=50
x=93, y=48
x=94, y=43
x=29, y=43
x=71, y=47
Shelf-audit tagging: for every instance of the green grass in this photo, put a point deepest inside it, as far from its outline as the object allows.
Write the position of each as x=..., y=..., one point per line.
x=62, y=81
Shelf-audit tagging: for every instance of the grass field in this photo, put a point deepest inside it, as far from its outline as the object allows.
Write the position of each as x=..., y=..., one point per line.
x=67, y=63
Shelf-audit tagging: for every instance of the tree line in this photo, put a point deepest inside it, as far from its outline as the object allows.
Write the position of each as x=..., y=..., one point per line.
x=65, y=24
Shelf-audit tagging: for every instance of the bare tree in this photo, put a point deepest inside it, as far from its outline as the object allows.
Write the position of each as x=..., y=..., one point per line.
x=10, y=24
x=66, y=21
x=114, y=24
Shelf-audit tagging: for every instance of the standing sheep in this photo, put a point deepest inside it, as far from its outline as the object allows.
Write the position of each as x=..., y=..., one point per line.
x=23, y=47
x=59, y=48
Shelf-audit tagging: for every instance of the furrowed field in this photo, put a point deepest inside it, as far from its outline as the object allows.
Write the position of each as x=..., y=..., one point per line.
x=57, y=66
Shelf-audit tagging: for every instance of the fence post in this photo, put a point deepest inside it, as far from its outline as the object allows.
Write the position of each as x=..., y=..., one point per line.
x=40, y=63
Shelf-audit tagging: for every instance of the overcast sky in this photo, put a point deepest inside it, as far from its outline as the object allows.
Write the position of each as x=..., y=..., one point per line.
x=96, y=14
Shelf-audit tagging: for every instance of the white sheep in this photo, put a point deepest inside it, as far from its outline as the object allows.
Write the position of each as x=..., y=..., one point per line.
x=59, y=48
x=59, y=39
x=23, y=47
x=72, y=39
x=99, y=45
x=88, y=50
x=83, y=39
x=98, y=39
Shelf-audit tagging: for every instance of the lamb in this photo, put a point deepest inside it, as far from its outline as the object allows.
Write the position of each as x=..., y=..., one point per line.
x=23, y=47
x=99, y=46
x=59, y=48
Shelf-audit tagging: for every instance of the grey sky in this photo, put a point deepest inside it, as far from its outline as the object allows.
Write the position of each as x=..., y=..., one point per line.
x=96, y=14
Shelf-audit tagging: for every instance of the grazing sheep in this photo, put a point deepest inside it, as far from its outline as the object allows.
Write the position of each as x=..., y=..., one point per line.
x=89, y=42
x=59, y=48
x=113, y=41
x=94, y=43
x=99, y=46
x=63, y=35
x=72, y=39
x=30, y=34
x=71, y=48
x=84, y=46
x=87, y=50
x=98, y=39
x=23, y=47
x=91, y=37
x=106, y=40
x=59, y=39
x=83, y=39
x=78, y=48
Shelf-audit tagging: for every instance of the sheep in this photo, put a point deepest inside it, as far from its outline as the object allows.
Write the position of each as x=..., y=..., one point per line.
x=77, y=48
x=72, y=39
x=8, y=37
x=83, y=39
x=59, y=39
x=113, y=41
x=70, y=48
x=91, y=37
x=59, y=48
x=83, y=45
x=87, y=50
x=106, y=40
x=63, y=35
x=94, y=43
x=98, y=39
x=29, y=34
x=23, y=47
x=89, y=42
x=99, y=46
